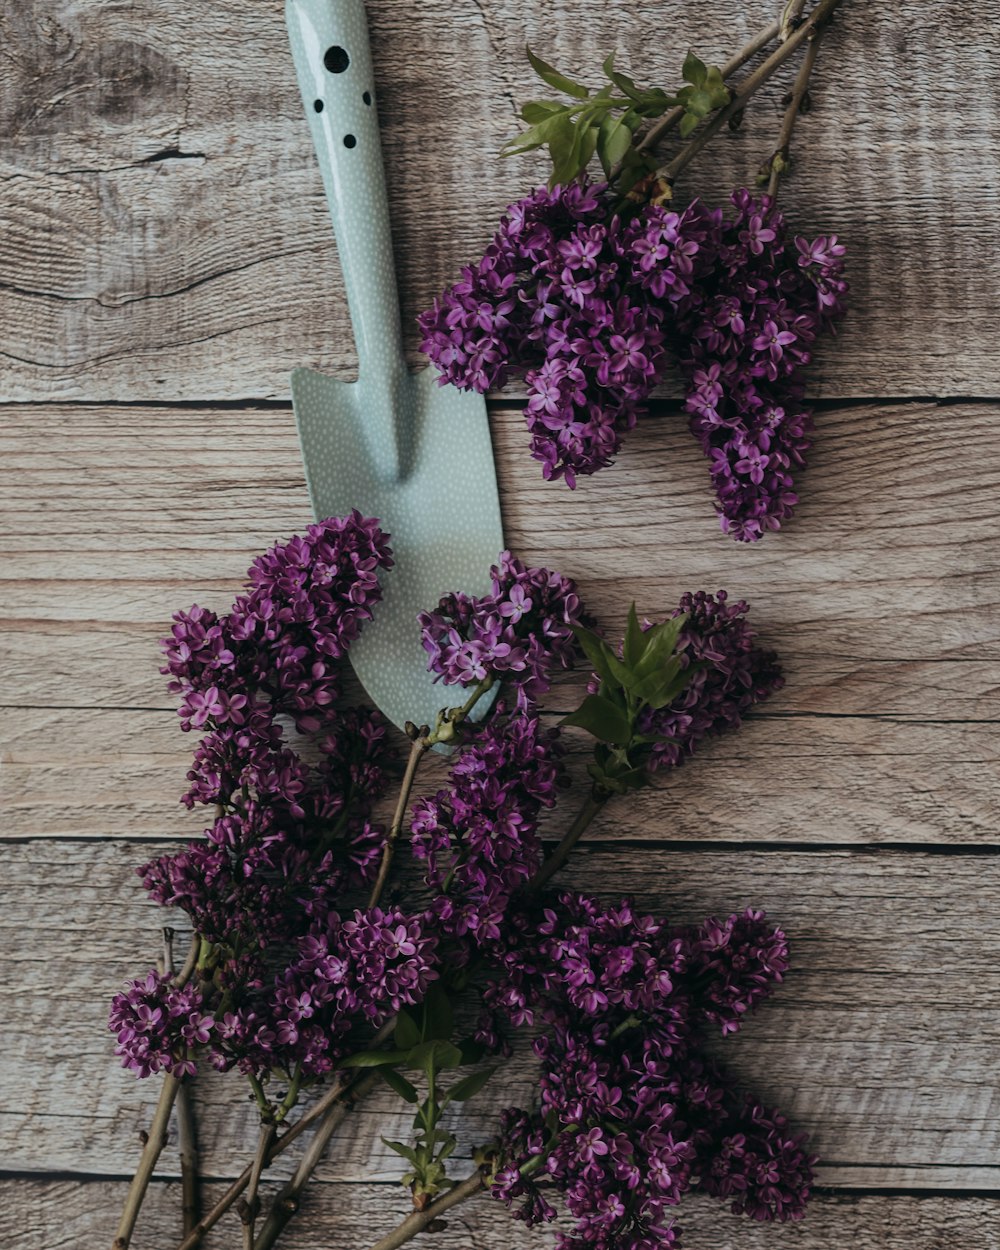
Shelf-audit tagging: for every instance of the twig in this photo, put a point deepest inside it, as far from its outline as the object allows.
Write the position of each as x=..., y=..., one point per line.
x=251, y=1204
x=594, y=803
x=418, y=749
x=820, y=14
x=421, y=742
x=326, y=1106
x=791, y=15
x=419, y=1220
x=286, y=1203
x=780, y=157
x=667, y=122
x=187, y=1139
x=155, y=1142
x=190, y=963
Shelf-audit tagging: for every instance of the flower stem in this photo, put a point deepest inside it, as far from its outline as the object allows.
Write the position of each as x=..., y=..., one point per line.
x=419, y=1220
x=594, y=803
x=286, y=1203
x=761, y=74
x=791, y=15
x=418, y=749
x=250, y=1204
x=187, y=1141
x=327, y=1105
x=669, y=120
x=422, y=741
x=187, y=1137
x=779, y=159
x=155, y=1142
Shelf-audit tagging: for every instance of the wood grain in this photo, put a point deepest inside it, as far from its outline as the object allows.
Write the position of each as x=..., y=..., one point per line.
x=165, y=234
x=118, y=773
x=55, y=1215
x=883, y=608
x=882, y=1045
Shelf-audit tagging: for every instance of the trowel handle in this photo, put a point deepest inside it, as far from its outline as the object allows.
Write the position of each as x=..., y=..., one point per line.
x=333, y=62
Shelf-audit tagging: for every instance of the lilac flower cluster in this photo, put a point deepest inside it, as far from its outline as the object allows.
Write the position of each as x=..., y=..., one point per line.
x=347, y=972
x=518, y=633
x=574, y=298
x=343, y=972
x=157, y=1025
x=479, y=837
x=590, y=306
x=307, y=600
x=731, y=674
x=283, y=974
x=743, y=342
x=631, y=1115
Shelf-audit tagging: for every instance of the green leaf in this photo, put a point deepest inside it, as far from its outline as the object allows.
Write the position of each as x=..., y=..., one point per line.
x=407, y=1152
x=553, y=126
x=614, y=138
x=618, y=781
x=694, y=70
x=399, y=1083
x=438, y=1020
x=635, y=639
x=447, y=1149
x=468, y=1086
x=374, y=1058
x=660, y=644
x=560, y=142
x=603, y=719
x=549, y=74
x=436, y=1054
x=534, y=111
x=622, y=81
x=596, y=651
x=408, y=1032
x=664, y=686
x=689, y=122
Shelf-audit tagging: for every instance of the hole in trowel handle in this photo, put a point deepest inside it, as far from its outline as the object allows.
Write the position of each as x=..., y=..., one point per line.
x=318, y=106
x=336, y=59
x=350, y=141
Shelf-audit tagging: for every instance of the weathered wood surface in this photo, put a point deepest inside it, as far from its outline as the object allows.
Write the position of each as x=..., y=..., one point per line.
x=118, y=773
x=882, y=1044
x=886, y=729
x=164, y=232
x=163, y=237
x=54, y=1215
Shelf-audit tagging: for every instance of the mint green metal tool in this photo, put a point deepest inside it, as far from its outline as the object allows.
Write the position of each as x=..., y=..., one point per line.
x=393, y=444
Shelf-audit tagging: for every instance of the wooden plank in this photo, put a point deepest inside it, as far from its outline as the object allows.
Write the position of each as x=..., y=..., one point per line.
x=165, y=234
x=59, y=1213
x=110, y=773
x=904, y=570
x=887, y=1084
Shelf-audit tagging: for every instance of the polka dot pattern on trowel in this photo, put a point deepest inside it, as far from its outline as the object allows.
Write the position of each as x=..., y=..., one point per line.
x=393, y=444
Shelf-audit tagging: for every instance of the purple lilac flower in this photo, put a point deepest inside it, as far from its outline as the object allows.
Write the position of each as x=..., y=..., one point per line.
x=630, y=1114
x=732, y=675
x=590, y=308
x=361, y=969
x=479, y=838
x=158, y=1024
x=292, y=835
x=575, y=299
x=518, y=632
x=281, y=644
x=743, y=341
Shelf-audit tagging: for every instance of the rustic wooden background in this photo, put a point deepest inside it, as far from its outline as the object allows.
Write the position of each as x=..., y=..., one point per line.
x=166, y=259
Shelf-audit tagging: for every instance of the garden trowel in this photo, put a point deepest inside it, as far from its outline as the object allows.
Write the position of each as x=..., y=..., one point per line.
x=392, y=444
